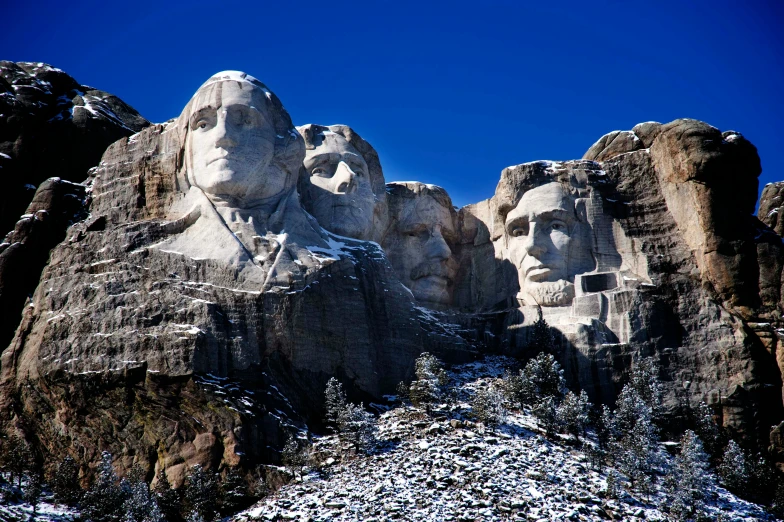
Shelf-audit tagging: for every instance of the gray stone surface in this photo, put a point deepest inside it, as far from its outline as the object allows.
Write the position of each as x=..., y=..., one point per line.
x=341, y=182
x=172, y=358
x=50, y=125
x=197, y=313
x=420, y=239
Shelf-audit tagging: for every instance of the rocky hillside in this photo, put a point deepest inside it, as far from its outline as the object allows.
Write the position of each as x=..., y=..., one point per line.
x=446, y=467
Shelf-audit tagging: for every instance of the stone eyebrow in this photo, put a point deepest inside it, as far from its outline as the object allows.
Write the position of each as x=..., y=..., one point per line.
x=558, y=213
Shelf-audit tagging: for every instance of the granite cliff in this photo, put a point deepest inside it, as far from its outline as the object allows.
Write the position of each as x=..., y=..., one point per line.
x=220, y=269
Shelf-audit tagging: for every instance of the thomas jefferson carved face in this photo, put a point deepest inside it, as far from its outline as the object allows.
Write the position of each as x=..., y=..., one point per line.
x=419, y=248
x=337, y=190
x=231, y=141
x=548, y=245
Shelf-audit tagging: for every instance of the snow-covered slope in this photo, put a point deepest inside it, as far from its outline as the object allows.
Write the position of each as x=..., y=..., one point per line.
x=444, y=467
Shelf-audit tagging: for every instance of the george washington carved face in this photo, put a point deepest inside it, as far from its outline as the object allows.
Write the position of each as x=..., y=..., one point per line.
x=549, y=245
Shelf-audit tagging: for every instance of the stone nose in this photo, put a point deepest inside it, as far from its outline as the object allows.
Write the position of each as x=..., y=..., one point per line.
x=224, y=137
x=436, y=246
x=534, y=242
x=345, y=180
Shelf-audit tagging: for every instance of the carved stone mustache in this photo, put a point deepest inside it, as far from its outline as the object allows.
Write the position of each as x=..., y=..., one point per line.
x=445, y=269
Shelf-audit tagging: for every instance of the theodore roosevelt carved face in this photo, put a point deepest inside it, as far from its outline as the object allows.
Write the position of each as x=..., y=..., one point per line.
x=419, y=243
x=548, y=243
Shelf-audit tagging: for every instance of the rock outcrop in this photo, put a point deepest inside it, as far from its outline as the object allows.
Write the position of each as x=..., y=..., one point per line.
x=196, y=314
x=50, y=126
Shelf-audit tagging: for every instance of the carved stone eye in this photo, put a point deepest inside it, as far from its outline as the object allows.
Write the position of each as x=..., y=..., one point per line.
x=518, y=232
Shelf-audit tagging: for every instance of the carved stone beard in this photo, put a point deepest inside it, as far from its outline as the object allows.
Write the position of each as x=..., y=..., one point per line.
x=556, y=293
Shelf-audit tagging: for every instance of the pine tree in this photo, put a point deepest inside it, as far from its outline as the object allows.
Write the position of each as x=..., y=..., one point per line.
x=357, y=428
x=487, y=406
x=512, y=388
x=17, y=459
x=294, y=455
x=613, y=484
x=140, y=503
x=234, y=491
x=542, y=377
x=689, y=478
x=201, y=493
x=707, y=429
x=32, y=493
x=546, y=413
x=542, y=339
x=65, y=482
x=644, y=380
x=572, y=414
x=427, y=389
x=167, y=498
x=733, y=470
x=634, y=440
x=334, y=402
x=103, y=502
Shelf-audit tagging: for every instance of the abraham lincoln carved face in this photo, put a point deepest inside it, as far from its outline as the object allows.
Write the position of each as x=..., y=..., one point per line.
x=548, y=242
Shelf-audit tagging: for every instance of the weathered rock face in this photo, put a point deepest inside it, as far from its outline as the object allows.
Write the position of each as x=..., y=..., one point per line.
x=50, y=125
x=698, y=295
x=200, y=357
x=197, y=313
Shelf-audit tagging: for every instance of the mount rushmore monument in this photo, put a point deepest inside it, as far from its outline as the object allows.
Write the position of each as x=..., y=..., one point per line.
x=225, y=264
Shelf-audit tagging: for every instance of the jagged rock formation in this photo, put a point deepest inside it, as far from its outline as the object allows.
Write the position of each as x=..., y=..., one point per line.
x=50, y=126
x=198, y=312
x=696, y=294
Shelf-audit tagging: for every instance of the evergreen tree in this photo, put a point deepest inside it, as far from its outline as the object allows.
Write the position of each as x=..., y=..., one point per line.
x=572, y=414
x=234, y=491
x=32, y=493
x=201, y=493
x=294, y=455
x=542, y=339
x=427, y=389
x=613, y=484
x=65, y=482
x=512, y=388
x=103, y=502
x=707, y=429
x=487, y=406
x=167, y=498
x=689, y=478
x=634, y=440
x=546, y=413
x=733, y=470
x=644, y=380
x=17, y=459
x=542, y=377
x=140, y=503
x=357, y=428
x=334, y=402
x=761, y=483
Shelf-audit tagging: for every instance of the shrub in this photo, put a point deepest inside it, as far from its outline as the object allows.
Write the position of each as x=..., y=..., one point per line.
x=488, y=406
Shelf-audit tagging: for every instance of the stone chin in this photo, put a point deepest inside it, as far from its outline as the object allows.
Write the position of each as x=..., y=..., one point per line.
x=431, y=289
x=556, y=293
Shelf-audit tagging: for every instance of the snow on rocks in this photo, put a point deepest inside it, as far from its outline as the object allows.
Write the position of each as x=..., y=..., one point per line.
x=445, y=467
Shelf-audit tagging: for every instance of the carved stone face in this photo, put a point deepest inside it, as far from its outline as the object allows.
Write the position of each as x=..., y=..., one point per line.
x=548, y=246
x=419, y=250
x=338, y=192
x=231, y=140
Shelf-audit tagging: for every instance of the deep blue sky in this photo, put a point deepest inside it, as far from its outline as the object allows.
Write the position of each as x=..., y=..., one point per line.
x=448, y=93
